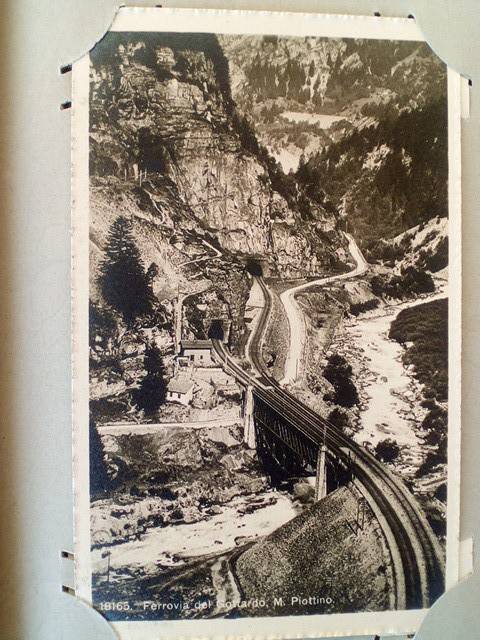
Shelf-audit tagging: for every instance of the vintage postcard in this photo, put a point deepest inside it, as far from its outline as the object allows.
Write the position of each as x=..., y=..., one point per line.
x=266, y=324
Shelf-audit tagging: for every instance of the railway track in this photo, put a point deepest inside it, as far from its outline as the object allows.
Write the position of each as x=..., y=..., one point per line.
x=417, y=557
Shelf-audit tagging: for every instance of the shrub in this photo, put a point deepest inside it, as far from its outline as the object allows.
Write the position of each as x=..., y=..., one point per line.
x=177, y=513
x=384, y=250
x=108, y=409
x=337, y=366
x=426, y=326
x=410, y=282
x=433, y=438
x=387, y=450
x=432, y=460
x=102, y=325
x=152, y=391
x=135, y=491
x=437, y=260
x=346, y=394
x=167, y=494
x=339, y=418
x=338, y=373
x=441, y=492
x=361, y=307
x=436, y=420
x=99, y=480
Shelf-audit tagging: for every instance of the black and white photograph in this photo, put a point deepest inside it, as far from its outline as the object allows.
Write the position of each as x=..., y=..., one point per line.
x=268, y=325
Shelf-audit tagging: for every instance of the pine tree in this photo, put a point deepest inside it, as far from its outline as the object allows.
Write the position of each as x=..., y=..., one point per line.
x=152, y=391
x=99, y=480
x=125, y=286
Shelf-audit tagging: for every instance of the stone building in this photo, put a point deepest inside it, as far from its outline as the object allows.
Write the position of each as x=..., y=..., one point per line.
x=198, y=352
x=180, y=390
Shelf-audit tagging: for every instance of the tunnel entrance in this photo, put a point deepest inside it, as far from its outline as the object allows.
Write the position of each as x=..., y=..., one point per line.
x=254, y=267
x=155, y=156
x=216, y=330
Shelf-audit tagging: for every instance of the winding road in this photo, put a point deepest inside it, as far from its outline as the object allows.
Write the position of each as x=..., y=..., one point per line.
x=295, y=317
x=416, y=555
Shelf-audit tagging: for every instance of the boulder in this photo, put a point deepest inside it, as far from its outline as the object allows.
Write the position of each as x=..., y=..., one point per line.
x=303, y=492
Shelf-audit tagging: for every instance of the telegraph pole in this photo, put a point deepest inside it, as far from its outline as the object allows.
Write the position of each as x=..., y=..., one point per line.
x=178, y=322
x=321, y=474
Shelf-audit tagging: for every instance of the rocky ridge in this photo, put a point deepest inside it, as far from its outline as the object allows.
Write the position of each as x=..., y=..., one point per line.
x=357, y=80
x=181, y=476
x=169, y=152
x=332, y=74
x=161, y=109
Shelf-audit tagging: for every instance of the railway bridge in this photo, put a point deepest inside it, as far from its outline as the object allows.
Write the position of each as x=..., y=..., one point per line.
x=288, y=452
x=292, y=439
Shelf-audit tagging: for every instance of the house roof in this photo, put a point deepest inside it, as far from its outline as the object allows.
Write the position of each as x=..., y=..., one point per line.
x=196, y=344
x=180, y=385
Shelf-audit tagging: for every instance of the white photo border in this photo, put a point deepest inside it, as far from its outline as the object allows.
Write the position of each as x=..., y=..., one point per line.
x=131, y=19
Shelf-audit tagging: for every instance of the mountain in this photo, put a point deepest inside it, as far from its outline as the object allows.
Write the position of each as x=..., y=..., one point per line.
x=387, y=177
x=170, y=152
x=330, y=75
x=179, y=146
x=303, y=94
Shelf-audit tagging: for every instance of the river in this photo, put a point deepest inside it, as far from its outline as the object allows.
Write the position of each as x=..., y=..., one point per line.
x=389, y=392
x=174, y=545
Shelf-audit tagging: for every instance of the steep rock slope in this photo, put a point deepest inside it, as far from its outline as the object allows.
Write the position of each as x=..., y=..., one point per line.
x=288, y=86
x=181, y=187
x=389, y=176
x=161, y=108
x=330, y=73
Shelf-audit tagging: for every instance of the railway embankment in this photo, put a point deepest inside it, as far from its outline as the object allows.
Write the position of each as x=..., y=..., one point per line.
x=331, y=558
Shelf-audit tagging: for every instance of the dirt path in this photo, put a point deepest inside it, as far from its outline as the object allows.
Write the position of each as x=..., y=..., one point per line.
x=295, y=316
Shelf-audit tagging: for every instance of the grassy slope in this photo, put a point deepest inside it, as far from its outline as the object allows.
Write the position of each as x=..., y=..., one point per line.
x=426, y=327
x=318, y=554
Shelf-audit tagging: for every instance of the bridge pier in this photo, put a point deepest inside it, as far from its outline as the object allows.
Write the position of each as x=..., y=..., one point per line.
x=321, y=475
x=178, y=320
x=248, y=420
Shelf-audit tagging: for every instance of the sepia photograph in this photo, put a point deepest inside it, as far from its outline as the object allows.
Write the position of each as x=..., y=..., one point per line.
x=268, y=325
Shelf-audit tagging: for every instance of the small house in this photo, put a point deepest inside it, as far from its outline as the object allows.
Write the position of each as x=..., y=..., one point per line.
x=199, y=352
x=180, y=390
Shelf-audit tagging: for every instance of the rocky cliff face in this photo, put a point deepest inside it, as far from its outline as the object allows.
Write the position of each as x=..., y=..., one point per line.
x=303, y=94
x=161, y=108
x=264, y=67
x=169, y=151
x=390, y=176
x=363, y=123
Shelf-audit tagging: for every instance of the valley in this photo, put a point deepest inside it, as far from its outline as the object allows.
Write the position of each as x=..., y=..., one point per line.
x=259, y=224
